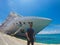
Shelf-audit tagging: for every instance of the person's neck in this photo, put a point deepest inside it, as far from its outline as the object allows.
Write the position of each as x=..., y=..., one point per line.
x=30, y=27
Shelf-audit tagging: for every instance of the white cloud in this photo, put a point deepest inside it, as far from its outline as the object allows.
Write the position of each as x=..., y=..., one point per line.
x=51, y=30
x=0, y=23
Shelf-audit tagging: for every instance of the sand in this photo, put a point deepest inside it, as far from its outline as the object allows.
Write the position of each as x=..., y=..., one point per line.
x=11, y=40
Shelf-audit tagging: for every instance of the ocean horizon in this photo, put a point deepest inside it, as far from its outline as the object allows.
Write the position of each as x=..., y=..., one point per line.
x=48, y=38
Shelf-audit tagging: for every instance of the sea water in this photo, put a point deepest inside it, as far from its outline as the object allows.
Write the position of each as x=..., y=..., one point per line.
x=45, y=38
x=48, y=38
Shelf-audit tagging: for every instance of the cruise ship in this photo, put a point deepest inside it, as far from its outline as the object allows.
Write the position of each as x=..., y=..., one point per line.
x=16, y=24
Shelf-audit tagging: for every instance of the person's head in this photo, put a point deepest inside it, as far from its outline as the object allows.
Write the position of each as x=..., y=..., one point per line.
x=31, y=24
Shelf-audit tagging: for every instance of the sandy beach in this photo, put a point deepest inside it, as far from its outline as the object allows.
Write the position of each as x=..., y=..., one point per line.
x=11, y=40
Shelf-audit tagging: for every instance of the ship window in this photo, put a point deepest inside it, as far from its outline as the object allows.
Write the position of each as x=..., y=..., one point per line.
x=30, y=22
x=20, y=22
x=16, y=23
x=23, y=22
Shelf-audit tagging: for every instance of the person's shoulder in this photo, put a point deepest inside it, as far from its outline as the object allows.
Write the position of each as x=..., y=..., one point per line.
x=28, y=29
x=32, y=29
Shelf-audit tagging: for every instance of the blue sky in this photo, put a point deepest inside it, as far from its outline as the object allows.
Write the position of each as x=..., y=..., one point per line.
x=42, y=8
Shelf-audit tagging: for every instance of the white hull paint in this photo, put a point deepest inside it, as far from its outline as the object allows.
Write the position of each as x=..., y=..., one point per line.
x=12, y=25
